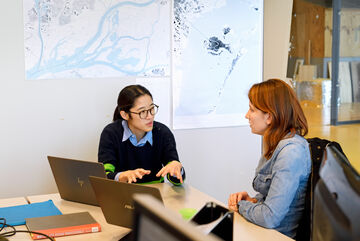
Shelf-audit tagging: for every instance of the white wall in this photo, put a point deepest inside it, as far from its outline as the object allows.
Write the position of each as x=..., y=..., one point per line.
x=277, y=22
x=65, y=118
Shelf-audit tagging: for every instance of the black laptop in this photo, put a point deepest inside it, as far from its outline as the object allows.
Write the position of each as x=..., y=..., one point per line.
x=116, y=199
x=72, y=178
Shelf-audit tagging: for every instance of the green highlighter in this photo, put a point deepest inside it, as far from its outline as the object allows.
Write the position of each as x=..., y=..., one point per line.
x=187, y=213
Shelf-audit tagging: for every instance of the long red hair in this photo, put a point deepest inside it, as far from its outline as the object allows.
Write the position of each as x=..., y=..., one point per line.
x=278, y=99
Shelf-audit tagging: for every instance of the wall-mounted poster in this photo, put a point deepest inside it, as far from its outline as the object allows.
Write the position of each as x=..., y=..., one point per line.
x=93, y=38
x=217, y=56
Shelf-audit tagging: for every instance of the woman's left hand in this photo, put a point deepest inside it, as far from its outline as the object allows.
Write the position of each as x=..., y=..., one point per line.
x=173, y=168
x=236, y=197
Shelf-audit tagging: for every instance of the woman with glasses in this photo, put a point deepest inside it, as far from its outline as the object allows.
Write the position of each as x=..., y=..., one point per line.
x=134, y=147
x=284, y=167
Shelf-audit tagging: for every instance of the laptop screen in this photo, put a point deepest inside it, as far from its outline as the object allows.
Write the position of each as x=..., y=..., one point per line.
x=72, y=178
x=116, y=199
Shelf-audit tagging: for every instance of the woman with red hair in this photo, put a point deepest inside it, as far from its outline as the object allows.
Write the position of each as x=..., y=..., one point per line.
x=283, y=170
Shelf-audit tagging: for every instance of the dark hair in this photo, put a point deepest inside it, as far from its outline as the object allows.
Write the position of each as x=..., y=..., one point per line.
x=127, y=97
x=278, y=99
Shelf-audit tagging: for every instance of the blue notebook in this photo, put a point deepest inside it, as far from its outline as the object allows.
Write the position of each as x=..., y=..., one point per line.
x=16, y=215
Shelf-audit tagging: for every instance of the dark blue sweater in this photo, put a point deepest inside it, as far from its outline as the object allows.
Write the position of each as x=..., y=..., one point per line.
x=125, y=156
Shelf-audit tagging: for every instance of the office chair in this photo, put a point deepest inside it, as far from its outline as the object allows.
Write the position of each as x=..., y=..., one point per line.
x=317, y=147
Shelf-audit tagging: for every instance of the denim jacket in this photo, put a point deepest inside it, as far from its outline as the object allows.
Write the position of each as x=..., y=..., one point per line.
x=281, y=186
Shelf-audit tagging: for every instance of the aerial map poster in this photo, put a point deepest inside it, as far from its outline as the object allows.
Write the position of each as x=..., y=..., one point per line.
x=217, y=56
x=96, y=38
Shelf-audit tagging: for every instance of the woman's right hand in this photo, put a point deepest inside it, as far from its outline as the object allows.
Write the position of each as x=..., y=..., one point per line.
x=131, y=175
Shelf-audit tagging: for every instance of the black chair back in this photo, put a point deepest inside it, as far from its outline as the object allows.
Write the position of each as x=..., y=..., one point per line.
x=317, y=147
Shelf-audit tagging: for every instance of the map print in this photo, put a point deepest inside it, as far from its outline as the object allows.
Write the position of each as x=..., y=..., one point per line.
x=96, y=38
x=217, y=47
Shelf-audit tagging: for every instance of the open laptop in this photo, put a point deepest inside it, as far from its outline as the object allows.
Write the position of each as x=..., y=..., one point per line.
x=72, y=178
x=116, y=199
x=155, y=222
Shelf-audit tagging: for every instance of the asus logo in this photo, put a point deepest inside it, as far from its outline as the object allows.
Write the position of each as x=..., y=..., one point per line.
x=128, y=206
x=80, y=182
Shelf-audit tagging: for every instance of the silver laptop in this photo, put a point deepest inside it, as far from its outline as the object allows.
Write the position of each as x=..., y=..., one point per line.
x=72, y=178
x=116, y=199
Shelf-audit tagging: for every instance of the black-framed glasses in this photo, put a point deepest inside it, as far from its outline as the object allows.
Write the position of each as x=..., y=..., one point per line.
x=144, y=113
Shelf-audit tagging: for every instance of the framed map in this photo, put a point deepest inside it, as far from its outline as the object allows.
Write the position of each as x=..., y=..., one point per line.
x=217, y=56
x=96, y=38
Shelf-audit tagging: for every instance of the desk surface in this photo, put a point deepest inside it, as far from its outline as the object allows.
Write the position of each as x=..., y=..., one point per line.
x=12, y=201
x=175, y=198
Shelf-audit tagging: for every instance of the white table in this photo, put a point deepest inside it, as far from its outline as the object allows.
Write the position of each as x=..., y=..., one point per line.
x=175, y=198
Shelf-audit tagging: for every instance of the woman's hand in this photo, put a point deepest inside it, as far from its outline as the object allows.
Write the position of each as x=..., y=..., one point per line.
x=173, y=168
x=131, y=175
x=236, y=197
